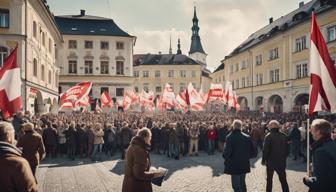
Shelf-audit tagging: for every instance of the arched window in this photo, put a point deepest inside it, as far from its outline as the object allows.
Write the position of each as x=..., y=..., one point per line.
x=34, y=29
x=3, y=55
x=35, y=67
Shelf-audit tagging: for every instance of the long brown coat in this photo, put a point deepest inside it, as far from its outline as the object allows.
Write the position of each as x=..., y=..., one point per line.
x=15, y=174
x=137, y=178
x=33, y=147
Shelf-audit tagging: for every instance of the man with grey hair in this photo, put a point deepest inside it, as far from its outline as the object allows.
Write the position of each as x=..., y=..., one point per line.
x=237, y=153
x=324, y=158
x=275, y=153
x=15, y=174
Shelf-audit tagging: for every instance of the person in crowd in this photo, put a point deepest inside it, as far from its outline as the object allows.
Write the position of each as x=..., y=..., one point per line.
x=110, y=135
x=156, y=132
x=98, y=142
x=32, y=146
x=180, y=135
x=17, y=122
x=274, y=156
x=256, y=136
x=295, y=138
x=237, y=153
x=137, y=176
x=324, y=158
x=222, y=133
x=82, y=140
x=90, y=135
x=126, y=136
x=61, y=138
x=71, y=138
x=212, y=135
x=15, y=174
x=194, y=133
x=50, y=140
x=165, y=139
x=173, y=142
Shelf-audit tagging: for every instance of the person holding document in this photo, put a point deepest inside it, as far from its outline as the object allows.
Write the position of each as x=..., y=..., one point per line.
x=137, y=175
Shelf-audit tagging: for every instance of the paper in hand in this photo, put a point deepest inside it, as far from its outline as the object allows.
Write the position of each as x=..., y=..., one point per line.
x=158, y=181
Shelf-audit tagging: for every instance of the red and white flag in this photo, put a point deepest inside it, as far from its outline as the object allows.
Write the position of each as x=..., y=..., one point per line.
x=84, y=102
x=229, y=94
x=216, y=93
x=106, y=100
x=235, y=102
x=129, y=98
x=10, y=86
x=195, y=99
x=182, y=100
x=168, y=96
x=322, y=73
x=147, y=100
x=76, y=94
x=98, y=109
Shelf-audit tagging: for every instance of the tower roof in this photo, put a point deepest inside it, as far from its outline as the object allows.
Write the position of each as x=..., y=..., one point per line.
x=196, y=45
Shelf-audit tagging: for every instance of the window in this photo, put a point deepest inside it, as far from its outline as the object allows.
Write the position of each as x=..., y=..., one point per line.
x=231, y=69
x=302, y=70
x=104, y=67
x=300, y=44
x=259, y=79
x=158, y=89
x=274, y=53
x=183, y=73
x=120, y=67
x=331, y=32
x=72, y=44
x=259, y=59
x=243, y=82
x=145, y=87
x=120, y=92
x=233, y=85
x=237, y=67
x=237, y=84
x=145, y=73
x=35, y=67
x=88, y=44
x=73, y=66
x=88, y=67
x=49, y=77
x=104, y=45
x=43, y=38
x=193, y=73
x=120, y=45
x=104, y=89
x=136, y=73
x=182, y=86
x=50, y=45
x=274, y=76
x=4, y=18
x=34, y=29
x=243, y=65
x=42, y=73
x=171, y=73
x=157, y=73
x=3, y=55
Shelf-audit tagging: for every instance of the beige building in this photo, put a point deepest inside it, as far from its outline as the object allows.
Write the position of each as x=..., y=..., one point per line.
x=153, y=71
x=95, y=49
x=30, y=25
x=270, y=70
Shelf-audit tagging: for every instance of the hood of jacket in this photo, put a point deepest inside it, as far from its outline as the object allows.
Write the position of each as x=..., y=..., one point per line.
x=140, y=142
x=8, y=149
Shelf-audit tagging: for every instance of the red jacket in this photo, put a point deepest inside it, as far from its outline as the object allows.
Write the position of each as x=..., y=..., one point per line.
x=212, y=134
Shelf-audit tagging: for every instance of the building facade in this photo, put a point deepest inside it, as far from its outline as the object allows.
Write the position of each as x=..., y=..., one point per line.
x=95, y=49
x=270, y=70
x=30, y=25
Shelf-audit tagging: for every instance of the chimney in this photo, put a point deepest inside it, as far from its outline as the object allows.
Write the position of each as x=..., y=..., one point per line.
x=82, y=12
x=301, y=4
x=271, y=20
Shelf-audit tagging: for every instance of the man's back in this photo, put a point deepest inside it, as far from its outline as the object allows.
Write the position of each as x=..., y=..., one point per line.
x=275, y=149
x=33, y=148
x=15, y=174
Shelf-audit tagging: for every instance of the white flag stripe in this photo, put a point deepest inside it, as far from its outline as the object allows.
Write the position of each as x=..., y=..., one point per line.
x=9, y=79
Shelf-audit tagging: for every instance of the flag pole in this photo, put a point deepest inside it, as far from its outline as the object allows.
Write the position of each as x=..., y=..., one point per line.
x=308, y=149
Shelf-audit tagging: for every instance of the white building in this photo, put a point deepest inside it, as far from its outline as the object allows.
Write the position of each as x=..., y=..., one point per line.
x=30, y=25
x=95, y=49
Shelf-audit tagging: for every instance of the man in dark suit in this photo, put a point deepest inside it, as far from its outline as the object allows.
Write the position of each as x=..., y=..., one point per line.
x=324, y=158
x=275, y=153
x=237, y=153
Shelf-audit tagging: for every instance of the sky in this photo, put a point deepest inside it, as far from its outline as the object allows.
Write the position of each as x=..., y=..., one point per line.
x=224, y=24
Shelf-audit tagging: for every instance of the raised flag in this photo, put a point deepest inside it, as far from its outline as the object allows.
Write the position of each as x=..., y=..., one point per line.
x=84, y=102
x=76, y=94
x=322, y=73
x=147, y=100
x=106, y=100
x=195, y=99
x=216, y=93
x=168, y=96
x=98, y=109
x=10, y=86
x=229, y=94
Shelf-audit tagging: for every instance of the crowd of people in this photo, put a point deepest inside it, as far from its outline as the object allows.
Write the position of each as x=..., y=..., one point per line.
x=176, y=135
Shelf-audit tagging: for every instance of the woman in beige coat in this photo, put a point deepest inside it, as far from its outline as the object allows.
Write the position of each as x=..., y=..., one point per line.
x=98, y=142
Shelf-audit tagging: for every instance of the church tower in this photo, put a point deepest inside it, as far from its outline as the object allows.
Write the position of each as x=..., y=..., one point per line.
x=196, y=50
